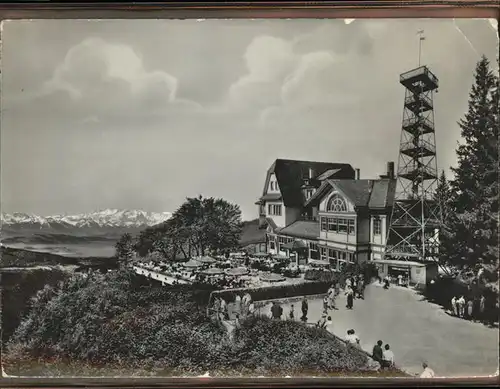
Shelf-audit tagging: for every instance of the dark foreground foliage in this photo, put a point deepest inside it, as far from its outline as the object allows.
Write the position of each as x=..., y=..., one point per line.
x=121, y=323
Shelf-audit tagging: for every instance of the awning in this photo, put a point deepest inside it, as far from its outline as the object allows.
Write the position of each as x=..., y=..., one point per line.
x=279, y=256
x=295, y=245
x=318, y=262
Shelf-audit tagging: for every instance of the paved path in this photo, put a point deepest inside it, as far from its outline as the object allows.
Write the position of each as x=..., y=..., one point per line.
x=416, y=330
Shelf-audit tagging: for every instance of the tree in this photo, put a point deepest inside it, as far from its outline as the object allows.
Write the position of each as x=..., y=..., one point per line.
x=125, y=249
x=446, y=239
x=475, y=188
x=200, y=225
x=208, y=224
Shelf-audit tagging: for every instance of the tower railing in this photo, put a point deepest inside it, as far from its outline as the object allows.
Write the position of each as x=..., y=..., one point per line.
x=414, y=99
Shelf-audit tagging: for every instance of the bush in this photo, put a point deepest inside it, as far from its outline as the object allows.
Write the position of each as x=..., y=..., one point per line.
x=125, y=322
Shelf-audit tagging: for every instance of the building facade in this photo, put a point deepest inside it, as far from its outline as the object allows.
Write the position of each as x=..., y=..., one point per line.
x=324, y=211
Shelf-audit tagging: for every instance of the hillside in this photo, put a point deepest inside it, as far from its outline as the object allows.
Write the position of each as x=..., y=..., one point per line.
x=11, y=257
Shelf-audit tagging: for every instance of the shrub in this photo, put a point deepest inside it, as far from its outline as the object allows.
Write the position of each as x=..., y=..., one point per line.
x=118, y=320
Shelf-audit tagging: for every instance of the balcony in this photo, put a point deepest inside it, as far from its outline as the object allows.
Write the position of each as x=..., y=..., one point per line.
x=418, y=148
x=418, y=173
x=403, y=250
x=418, y=126
x=418, y=103
x=419, y=80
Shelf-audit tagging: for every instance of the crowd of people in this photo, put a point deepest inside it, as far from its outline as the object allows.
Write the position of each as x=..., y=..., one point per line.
x=470, y=308
x=243, y=307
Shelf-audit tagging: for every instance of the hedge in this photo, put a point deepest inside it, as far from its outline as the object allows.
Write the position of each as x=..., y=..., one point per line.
x=321, y=275
x=275, y=291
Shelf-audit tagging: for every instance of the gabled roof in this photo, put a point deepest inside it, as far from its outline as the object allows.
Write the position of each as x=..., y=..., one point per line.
x=271, y=196
x=271, y=223
x=362, y=193
x=327, y=174
x=290, y=175
x=301, y=229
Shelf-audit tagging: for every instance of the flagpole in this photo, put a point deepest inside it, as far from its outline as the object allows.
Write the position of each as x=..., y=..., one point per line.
x=421, y=38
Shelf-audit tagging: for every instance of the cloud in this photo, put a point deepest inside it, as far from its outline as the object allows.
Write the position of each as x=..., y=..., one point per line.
x=268, y=60
x=108, y=81
x=303, y=73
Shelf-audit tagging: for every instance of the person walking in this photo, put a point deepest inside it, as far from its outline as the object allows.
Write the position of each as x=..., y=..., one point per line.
x=454, y=306
x=305, y=309
x=237, y=303
x=428, y=372
x=325, y=305
x=361, y=289
x=387, y=357
x=482, y=307
x=461, y=306
x=378, y=352
x=331, y=297
x=223, y=308
x=275, y=310
x=470, y=307
x=251, y=309
x=349, y=293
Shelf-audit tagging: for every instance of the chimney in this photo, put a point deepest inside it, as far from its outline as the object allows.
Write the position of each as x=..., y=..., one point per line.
x=357, y=174
x=311, y=173
x=390, y=170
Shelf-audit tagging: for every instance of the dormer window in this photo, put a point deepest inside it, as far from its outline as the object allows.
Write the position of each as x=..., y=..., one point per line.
x=336, y=204
x=309, y=193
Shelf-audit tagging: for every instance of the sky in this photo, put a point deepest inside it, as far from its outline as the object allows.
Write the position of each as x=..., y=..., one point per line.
x=140, y=114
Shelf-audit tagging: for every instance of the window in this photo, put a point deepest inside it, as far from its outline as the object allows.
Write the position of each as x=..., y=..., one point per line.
x=351, y=227
x=377, y=226
x=272, y=185
x=342, y=223
x=313, y=250
x=309, y=193
x=336, y=204
x=323, y=224
x=272, y=245
x=274, y=209
x=332, y=258
x=332, y=224
x=323, y=253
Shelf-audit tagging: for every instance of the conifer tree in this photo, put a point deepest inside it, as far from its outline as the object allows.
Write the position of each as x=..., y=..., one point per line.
x=446, y=238
x=474, y=222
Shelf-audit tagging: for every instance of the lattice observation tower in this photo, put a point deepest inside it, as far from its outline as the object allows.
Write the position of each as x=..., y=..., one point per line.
x=416, y=216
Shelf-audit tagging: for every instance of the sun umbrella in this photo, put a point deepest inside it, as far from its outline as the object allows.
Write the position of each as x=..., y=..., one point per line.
x=237, y=271
x=212, y=271
x=207, y=260
x=192, y=264
x=272, y=277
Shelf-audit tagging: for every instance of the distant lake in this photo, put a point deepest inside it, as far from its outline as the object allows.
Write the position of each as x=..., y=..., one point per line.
x=65, y=244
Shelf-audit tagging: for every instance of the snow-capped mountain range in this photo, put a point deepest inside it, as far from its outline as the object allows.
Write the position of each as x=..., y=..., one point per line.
x=108, y=218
